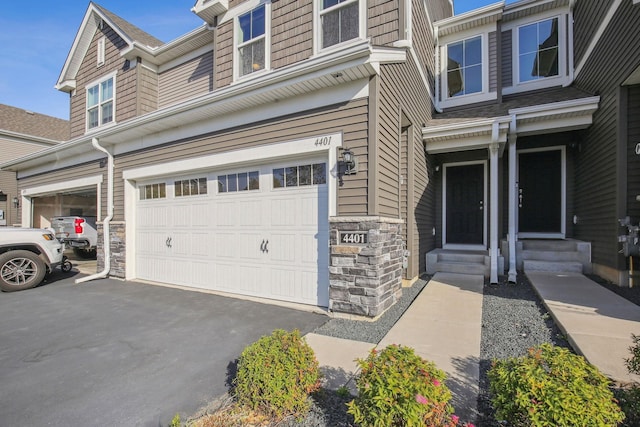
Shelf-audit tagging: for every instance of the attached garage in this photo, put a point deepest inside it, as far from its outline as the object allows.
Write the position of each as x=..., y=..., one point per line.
x=259, y=229
x=75, y=197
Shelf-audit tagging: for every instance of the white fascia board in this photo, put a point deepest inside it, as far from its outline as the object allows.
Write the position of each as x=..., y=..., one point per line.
x=458, y=128
x=483, y=15
x=558, y=107
x=355, y=54
x=554, y=124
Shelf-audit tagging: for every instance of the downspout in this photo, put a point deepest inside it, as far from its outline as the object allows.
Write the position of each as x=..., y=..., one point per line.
x=494, y=149
x=107, y=221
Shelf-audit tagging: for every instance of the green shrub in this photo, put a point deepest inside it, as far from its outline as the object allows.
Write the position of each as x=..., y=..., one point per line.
x=633, y=363
x=629, y=401
x=398, y=388
x=552, y=387
x=276, y=374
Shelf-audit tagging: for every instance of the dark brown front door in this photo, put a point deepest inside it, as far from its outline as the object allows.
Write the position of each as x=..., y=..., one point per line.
x=465, y=204
x=540, y=192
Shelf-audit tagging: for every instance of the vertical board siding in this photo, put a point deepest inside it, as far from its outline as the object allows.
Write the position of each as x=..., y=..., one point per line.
x=596, y=163
x=192, y=78
x=291, y=32
x=350, y=119
x=90, y=72
x=587, y=17
x=224, y=55
x=633, y=159
x=493, y=62
x=382, y=22
x=507, y=62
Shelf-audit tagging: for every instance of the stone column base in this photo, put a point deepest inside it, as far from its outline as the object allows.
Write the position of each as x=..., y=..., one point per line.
x=365, y=279
x=117, y=246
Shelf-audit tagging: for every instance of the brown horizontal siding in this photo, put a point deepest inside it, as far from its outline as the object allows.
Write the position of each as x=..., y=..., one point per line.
x=224, y=55
x=192, y=78
x=351, y=119
x=422, y=38
x=90, y=72
x=291, y=32
x=382, y=22
x=9, y=187
x=424, y=190
x=587, y=17
x=439, y=9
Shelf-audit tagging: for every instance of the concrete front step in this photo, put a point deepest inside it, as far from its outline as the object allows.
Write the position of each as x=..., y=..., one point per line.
x=550, y=245
x=559, y=256
x=462, y=268
x=471, y=258
x=553, y=266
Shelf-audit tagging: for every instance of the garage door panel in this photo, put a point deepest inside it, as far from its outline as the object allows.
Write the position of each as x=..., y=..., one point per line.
x=219, y=241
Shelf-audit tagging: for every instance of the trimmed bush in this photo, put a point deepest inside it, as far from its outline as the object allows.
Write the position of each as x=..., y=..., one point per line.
x=276, y=374
x=398, y=388
x=552, y=387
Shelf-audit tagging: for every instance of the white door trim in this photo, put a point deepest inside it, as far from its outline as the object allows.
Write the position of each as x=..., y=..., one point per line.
x=563, y=193
x=446, y=245
x=317, y=146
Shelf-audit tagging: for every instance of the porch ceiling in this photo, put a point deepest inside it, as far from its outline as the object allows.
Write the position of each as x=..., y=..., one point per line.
x=449, y=134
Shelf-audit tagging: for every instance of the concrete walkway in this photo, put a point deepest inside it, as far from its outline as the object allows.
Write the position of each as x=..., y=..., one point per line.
x=598, y=323
x=442, y=325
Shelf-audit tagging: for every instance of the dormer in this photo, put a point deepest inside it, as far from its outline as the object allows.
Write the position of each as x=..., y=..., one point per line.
x=208, y=10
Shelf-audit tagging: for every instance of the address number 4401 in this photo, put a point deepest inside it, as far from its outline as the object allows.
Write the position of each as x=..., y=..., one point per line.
x=322, y=141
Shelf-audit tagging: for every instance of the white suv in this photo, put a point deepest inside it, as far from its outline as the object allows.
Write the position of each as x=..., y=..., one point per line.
x=26, y=255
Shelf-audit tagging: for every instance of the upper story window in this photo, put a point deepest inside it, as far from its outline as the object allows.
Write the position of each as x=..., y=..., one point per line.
x=252, y=41
x=538, y=53
x=339, y=21
x=464, y=67
x=100, y=103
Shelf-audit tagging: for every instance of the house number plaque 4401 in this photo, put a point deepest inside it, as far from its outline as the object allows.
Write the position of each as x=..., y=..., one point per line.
x=354, y=238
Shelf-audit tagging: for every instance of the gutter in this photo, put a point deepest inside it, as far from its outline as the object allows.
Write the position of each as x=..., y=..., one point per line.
x=107, y=221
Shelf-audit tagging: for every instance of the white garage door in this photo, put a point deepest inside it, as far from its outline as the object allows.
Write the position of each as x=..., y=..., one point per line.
x=259, y=231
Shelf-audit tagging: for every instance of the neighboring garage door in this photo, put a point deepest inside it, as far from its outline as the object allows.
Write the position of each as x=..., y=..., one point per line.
x=260, y=231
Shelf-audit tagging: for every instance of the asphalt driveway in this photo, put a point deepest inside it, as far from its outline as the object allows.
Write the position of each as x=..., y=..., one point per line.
x=123, y=354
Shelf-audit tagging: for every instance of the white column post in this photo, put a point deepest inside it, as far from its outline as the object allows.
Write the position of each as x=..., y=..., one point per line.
x=494, y=150
x=513, y=207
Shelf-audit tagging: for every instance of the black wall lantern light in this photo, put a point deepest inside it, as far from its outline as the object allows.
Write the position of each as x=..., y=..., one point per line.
x=16, y=202
x=350, y=162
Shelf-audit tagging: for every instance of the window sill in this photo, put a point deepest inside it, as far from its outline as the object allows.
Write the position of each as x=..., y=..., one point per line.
x=536, y=84
x=468, y=99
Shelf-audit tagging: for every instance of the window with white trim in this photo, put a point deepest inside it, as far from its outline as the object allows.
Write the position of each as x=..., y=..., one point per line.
x=242, y=181
x=538, y=50
x=100, y=103
x=339, y=21
x=464, y=67
x=252, y=41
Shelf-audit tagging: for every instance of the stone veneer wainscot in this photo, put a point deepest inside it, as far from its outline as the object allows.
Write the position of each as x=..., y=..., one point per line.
x=366, y=279
x=118, y=249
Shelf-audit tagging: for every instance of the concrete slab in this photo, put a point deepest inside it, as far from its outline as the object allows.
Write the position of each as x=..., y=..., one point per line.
x=337, y=359
x=598, y=323
x=444, y=325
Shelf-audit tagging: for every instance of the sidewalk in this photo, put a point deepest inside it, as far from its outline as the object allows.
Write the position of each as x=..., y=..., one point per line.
x=443, y=325
x=598, y=323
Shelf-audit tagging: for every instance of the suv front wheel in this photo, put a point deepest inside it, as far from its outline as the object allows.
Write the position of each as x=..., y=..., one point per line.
x=20, y=270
